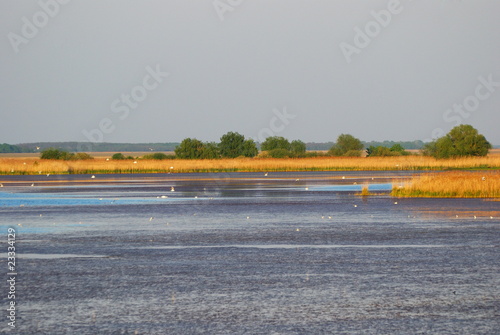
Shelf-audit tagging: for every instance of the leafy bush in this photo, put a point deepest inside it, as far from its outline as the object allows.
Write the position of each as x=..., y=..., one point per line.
x=118, y=156
x=190, y=148
x=275, y=142
x=210, y=151
x=298, y=147
x=52, y=153
x=346, y=145
x=233, y=145
x=461, y=141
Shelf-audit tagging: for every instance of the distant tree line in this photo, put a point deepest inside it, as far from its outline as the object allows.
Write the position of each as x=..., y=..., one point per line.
x=461, y=141
x=9, y=148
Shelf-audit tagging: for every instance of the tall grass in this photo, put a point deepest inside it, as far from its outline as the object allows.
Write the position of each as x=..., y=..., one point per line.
x=31, y=165
x=454, y=184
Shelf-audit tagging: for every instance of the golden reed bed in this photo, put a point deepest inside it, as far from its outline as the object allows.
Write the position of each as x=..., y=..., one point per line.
x=452, y=184
x=31, y=165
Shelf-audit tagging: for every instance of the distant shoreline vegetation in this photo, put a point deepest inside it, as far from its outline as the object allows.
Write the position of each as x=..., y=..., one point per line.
x=461, y=141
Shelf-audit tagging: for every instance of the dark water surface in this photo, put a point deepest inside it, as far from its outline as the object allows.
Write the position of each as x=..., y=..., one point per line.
x=245, y=253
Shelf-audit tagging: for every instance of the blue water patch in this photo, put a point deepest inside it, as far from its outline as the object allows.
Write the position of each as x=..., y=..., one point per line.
x=352, y=188
x=48, y=199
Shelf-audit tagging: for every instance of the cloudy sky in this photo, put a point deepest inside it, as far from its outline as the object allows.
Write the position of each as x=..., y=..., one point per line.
x=164, y=70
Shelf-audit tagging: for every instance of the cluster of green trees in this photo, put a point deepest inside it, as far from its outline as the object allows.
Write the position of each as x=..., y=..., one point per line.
x=382, y=151
x=231, y=145
x=346, y=145
x=463, y=140
x=64, y=155
x=280, y=147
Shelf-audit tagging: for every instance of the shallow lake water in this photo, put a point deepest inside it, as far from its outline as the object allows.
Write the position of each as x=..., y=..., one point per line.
x=248, y=253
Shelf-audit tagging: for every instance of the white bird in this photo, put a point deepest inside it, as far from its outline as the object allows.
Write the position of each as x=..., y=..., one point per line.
x=1, y=185
x=135, y=162
x=456, y=216
x=491, y=217
x=93, y=177
x=107, y=159
x=355, y=183
x=355, y=205
x=20, y=225
x=248, y=217
x=395, y=202
x=32, y=185
x=343, y=177
x=164, y=196
x=48, y=174
x=484, y=178
x=151, y=219
x=297, y=229
x=307, y=188
x=475, y=217
x=330, y=217
x=172, y=189
x=265, y=174
x=297, y=179
x=171, y=167
x=196, y=197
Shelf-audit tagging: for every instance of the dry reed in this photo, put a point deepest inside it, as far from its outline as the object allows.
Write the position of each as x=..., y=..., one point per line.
x=453, y=184
x=31, y=165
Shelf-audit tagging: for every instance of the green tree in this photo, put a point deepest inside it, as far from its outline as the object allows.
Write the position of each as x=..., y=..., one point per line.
x=346, y=144
x=275, y=142
x=190, y=148
x=398, y=148
x=249, y=148
x=463, y=140
x=210, y=151
x=297, y=147
x=231, y=145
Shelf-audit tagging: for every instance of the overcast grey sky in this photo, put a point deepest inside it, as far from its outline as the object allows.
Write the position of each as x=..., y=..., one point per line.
x=302, y=69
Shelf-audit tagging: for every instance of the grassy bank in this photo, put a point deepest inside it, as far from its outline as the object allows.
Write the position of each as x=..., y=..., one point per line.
x=453, y=184
x=33, y=165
